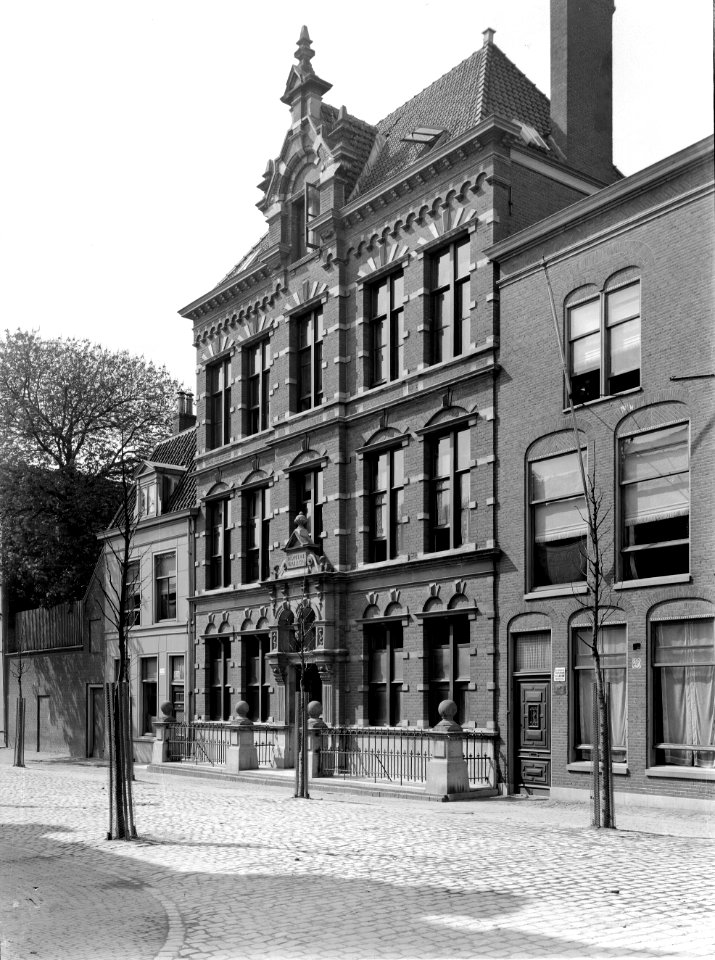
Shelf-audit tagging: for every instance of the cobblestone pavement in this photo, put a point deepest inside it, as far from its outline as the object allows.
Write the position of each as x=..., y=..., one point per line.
x=227, y=870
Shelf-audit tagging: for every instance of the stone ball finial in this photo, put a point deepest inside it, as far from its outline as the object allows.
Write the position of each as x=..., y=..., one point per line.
x=301, y=520
x=167, y=710
x=447, y=710
x=242, y=710
x=315, y=708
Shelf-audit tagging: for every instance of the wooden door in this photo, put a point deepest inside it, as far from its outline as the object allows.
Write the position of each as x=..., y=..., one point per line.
x=95, y=739
x=534, y=734
x=43, y=722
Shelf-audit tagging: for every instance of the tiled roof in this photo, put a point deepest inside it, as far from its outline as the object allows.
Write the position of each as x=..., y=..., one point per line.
x=485, y=83
x=180, y=450
x=247, y=259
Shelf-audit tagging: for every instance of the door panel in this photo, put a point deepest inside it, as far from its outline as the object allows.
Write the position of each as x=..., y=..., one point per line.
x=534, y=734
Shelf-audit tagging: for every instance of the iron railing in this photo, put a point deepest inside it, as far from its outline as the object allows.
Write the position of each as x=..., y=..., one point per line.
x=478, y=751
x=391, y=754
x=397, y=755
x=265, y=740
x=198, y=742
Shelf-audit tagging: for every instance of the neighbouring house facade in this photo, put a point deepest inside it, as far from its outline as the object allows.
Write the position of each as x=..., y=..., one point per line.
x=348, y=374
x=57, y=656
x=631, y=273
x=160, y=580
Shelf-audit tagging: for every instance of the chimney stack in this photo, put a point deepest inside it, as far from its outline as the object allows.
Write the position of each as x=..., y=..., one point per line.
x=184, y=413
x=582, y=85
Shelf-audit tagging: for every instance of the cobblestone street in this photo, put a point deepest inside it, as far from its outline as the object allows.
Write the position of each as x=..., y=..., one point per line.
x=229, y=870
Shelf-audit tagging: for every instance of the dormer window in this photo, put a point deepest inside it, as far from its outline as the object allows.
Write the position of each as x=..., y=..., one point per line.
x=304, y=208
x=148, y=499
x=155, y=487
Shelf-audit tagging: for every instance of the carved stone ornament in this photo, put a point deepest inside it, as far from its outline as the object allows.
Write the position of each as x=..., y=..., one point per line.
x=320, y=637
x=460, y=586
x=326, y=672
x=372, y=598
x=274, y=639
x=394, y=595
x=434, y=589
x=279, y=673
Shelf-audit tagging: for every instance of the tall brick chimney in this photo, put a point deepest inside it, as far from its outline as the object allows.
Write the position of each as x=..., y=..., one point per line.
x=184, y=416
x=582, y=84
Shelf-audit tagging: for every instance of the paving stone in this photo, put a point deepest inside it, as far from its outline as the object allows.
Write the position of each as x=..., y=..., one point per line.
x=229, y=870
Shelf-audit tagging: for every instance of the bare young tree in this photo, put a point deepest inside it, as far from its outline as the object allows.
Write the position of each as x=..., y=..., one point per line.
x=597, y=604
x=598, y=607
x=18, y=668
x=303, y=641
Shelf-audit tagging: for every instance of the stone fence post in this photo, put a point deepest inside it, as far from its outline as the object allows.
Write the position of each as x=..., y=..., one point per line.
x=241, y=753
x=316, y=725
x=162, y=726
x=447, y=769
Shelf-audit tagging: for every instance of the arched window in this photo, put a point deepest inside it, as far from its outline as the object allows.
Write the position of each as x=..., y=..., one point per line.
x=654, y=485
x=604, y=338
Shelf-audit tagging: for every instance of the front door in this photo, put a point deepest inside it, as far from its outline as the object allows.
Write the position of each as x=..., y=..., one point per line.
x=534, y=735
x=43, y=722
x=95, y=725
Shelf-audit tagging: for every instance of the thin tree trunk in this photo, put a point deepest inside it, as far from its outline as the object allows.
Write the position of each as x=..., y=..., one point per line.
x=109, y=749
x=19, y=758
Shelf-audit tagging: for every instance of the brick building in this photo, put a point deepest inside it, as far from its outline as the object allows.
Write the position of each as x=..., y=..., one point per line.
x=348, y=369
x=160, y=580
x=631, y=273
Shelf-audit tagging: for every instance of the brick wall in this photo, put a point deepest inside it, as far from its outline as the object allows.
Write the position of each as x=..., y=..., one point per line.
x=671, y=251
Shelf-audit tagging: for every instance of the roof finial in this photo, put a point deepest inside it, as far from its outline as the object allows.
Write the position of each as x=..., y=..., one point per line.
x=304, y=54
x=488, y=35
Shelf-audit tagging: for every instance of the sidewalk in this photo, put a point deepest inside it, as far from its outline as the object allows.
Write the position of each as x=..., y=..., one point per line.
x=632, y=817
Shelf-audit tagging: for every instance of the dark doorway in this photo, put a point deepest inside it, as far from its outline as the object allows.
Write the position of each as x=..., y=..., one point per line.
x=95, y=722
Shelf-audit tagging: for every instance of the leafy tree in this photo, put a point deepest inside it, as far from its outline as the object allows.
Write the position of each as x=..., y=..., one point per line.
x=77, y=419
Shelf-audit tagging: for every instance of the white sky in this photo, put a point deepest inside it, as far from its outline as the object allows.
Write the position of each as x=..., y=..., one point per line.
x=134, y=133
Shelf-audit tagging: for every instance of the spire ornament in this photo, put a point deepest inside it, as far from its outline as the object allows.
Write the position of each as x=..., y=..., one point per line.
x=304, y=54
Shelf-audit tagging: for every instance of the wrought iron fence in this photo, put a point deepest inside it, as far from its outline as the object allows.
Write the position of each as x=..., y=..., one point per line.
x=198, y=742
x=479, y=753
x=399, y=755
x=396, y=754
x=265, y=740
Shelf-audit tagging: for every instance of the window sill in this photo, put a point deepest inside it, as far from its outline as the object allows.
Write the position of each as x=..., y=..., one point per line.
x=611, y=396
x=682, y=773
x=570, y=590
x=452, y=552
x=376, y=564
x=653, y=581
x=585, y=766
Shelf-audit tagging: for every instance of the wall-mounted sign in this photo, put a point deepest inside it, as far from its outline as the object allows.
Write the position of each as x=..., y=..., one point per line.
x=296, y=561
x=559, y=674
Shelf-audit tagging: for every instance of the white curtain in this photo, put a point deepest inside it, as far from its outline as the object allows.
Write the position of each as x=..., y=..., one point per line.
x=685, y=656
